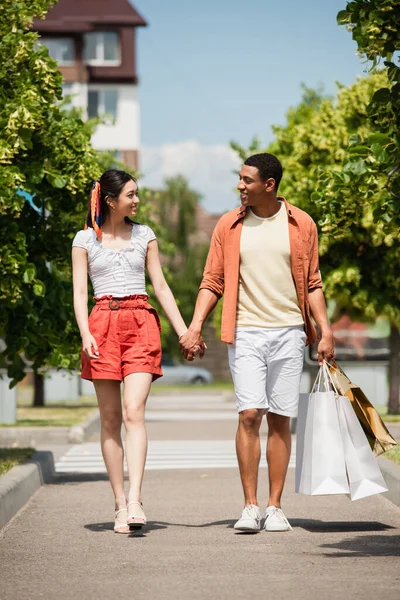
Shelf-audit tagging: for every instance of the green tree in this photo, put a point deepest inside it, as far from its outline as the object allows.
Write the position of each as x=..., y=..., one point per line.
x=46, y=153
x=359, y=256
x=183, y=255
x=367, y=184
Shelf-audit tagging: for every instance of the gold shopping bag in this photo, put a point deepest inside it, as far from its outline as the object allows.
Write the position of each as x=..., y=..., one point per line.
x=374, y=428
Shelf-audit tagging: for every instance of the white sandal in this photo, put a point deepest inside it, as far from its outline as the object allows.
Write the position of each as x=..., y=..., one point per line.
x=122, y=527
x=135, y=522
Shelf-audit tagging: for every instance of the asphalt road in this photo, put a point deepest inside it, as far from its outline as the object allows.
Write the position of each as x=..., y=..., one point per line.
x=61, y=545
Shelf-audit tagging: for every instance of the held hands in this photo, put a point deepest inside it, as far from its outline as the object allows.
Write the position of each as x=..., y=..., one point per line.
x=192, y=344
x=326, y=348
x=89, y=346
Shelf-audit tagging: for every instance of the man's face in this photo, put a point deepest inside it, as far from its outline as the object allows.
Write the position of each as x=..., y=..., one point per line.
x=251, y=187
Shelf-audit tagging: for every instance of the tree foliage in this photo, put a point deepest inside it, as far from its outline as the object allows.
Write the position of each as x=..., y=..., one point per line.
x=183, y=254
x=358, y=254
x=371, y=166
x=341, y=162
x=46, y=154
x=368, y=182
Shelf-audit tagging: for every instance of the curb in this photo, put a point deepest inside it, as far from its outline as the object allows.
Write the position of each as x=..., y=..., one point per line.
x=80, y=433
x=391, y=474
x=30, y=437
x=19, y=484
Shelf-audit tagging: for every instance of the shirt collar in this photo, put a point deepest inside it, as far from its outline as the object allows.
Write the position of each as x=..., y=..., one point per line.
x=242, y=212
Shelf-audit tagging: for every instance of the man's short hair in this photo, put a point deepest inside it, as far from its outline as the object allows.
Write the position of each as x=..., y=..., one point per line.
x=268, y=166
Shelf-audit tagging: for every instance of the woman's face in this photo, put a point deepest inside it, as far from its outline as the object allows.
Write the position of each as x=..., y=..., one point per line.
x=127, y=202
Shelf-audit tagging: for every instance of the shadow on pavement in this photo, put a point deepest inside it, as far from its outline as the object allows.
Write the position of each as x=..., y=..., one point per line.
x=365, y=546
x=154, y=525
x=109, y=526
x=228, y=522
x=314, y=526
x=310, y=525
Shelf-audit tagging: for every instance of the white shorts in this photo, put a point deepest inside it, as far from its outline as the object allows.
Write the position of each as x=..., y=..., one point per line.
x=266, y=367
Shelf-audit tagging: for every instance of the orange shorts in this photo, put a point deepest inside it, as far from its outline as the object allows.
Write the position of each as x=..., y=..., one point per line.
x=127, y=332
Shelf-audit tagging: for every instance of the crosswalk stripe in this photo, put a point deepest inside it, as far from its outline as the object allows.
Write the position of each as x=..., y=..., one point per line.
x=162, y=455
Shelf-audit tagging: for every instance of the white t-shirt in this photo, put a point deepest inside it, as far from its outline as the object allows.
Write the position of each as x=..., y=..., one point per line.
x=267, y=293
x=116, y=272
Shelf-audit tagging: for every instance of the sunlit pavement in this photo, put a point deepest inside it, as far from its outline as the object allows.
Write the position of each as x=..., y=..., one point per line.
x=61, y=545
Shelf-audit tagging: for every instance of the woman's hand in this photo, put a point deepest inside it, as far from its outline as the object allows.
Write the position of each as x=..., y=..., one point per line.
x=89, y=346
x=192, y=344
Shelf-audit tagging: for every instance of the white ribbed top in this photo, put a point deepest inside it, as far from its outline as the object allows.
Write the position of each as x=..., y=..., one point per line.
x=116, y=272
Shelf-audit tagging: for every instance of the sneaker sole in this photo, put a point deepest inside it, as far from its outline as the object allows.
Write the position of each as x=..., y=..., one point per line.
x=277, y=528
x=244, y=528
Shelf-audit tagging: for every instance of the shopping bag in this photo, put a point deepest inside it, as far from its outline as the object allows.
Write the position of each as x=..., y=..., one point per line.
x=320, y=465
x=363, y=472
x=374, y=428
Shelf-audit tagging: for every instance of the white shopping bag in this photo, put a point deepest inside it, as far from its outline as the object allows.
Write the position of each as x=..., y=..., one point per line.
x=363, y=470
x=320, y=464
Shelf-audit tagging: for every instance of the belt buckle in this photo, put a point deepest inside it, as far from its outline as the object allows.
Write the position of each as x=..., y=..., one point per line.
x=114, y=304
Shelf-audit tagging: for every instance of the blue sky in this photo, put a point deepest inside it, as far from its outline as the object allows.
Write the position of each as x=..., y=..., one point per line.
x=213, y=71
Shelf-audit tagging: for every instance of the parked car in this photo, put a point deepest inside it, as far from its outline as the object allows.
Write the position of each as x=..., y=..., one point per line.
x=176, y=373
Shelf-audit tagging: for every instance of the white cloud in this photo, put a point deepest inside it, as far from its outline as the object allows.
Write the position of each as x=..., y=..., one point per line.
x=208, y=169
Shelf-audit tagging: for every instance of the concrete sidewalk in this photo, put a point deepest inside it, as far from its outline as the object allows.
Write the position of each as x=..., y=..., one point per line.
x=61, y=545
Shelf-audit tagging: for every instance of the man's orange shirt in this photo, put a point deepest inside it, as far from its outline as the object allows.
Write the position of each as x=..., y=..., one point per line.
x=221, y=273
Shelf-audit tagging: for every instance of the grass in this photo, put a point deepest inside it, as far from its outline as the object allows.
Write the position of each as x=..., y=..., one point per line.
x=382, y=411
x=11, y=457
x=394, y=455
x=62, y=414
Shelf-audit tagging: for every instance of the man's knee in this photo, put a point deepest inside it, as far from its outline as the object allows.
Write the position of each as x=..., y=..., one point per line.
x=250, y=420
x=278, y=423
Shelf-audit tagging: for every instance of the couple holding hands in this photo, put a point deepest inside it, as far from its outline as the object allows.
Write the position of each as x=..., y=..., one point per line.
x=263, y=259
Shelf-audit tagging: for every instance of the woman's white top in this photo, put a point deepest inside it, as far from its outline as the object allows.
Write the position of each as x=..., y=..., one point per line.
x=116, y=272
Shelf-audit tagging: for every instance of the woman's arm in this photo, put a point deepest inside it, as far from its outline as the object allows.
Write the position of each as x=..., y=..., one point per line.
x=79, y=278
x=162, y=289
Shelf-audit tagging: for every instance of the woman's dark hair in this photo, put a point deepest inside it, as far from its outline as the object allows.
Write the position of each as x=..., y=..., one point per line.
x=110, y=185
x=268, y=166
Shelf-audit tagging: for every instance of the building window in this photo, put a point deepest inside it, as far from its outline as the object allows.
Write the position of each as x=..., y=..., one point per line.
x=102, y=48
x=102, y=102
x=61, y=49
x=67, y=89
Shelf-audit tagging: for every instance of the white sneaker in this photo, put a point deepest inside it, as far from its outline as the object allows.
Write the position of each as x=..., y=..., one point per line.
x=250, y=519
x=275, y=520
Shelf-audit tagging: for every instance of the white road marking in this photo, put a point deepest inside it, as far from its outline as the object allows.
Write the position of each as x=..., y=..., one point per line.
x=162, y=455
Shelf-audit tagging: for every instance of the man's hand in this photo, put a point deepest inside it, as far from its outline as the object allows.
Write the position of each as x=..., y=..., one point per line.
x=192, y=344
x=326, y=348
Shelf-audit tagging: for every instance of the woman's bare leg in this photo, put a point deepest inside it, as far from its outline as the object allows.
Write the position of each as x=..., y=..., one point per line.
x=136, y=390
x=109, y=399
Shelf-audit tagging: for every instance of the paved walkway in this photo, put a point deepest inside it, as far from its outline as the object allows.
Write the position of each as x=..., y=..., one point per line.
x=61, y=545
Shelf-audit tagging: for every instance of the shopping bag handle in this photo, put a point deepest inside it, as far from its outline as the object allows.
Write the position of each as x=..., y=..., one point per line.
x=323, y=381
x=324, y=377
x=326, y=366
x=336, y=368
x=316, y=385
